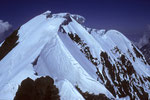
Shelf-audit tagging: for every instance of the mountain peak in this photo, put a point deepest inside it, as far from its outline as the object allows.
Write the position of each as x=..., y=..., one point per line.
x=78, y=18
x=47, y=12
x=83, y=62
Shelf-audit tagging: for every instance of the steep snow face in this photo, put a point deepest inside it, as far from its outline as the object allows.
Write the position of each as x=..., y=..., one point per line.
x=118, y=62
x=97, y=61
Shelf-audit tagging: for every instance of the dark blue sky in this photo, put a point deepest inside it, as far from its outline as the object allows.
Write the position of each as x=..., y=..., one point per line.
x=131, y=17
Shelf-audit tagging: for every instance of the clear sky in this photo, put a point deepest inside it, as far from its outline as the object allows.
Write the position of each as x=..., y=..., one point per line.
x=130, y=17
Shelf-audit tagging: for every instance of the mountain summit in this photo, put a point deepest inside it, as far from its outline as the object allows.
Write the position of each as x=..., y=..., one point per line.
x=80, y=60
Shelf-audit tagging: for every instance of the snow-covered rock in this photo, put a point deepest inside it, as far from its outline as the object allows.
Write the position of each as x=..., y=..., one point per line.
x=58, y=45
x=146, y=51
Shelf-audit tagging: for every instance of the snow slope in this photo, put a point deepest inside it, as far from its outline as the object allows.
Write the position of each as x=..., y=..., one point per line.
x=58, y=45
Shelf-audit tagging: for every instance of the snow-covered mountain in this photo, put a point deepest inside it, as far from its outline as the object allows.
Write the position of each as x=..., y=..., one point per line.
x=146, y=51
x=58, y=45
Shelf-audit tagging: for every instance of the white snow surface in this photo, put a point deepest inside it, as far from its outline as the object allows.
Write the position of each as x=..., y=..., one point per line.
x=59, y=57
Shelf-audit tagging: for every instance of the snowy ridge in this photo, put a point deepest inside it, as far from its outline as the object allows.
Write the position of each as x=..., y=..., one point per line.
x=97, y=61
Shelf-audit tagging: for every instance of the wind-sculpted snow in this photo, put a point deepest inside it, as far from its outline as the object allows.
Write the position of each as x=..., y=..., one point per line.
x=83, y=62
